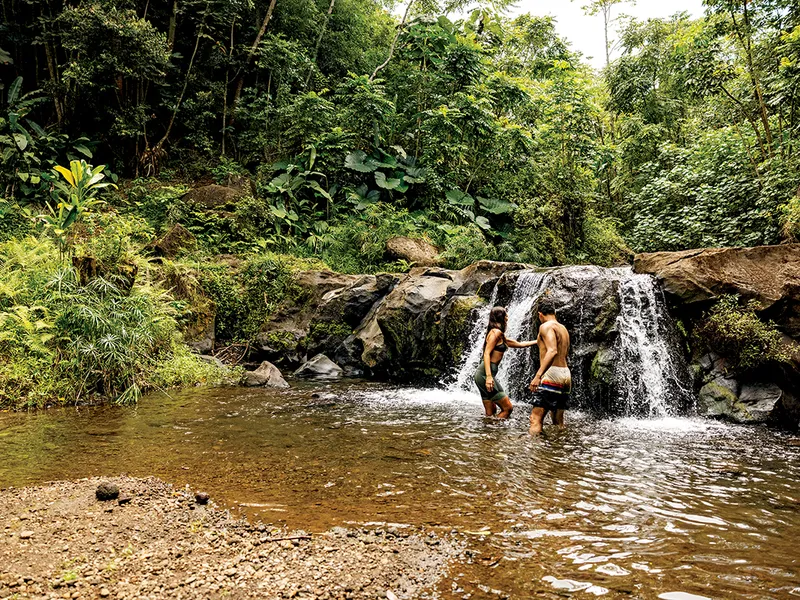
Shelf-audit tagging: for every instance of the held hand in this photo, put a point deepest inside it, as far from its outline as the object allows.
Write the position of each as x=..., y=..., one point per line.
x=535, y=383
x=489, y=384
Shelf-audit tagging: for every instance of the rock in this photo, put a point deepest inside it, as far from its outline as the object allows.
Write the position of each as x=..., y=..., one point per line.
x=25, y=535
x=171, y=243
x=419, y=252
x=107, y=491
x=768, y=274
x=124, y=500
x=213, y=196
x=319, y=367
x=266, y=375
x=756, y=403
x=212, y=360
x=201, y=336
x=717, y=398
x=201, y=498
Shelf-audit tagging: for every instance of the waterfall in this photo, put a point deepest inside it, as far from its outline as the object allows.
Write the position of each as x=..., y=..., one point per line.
x=649, y=377
x=528, y=287
x=625, y=356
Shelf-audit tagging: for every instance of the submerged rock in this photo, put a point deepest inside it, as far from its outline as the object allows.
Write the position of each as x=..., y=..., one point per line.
x=266, y=375
x=320, y=367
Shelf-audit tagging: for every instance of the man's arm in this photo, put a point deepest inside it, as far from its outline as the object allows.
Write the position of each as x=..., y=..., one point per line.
x=548, y=337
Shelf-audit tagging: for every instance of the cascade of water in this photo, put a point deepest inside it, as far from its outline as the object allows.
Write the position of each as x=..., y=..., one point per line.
x=648, y=374
x=528, y=287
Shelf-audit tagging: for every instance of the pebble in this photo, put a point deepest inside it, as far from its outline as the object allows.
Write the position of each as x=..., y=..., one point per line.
x=25, y=535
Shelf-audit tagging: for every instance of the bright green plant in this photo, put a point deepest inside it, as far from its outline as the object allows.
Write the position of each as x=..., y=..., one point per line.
x=76, y=195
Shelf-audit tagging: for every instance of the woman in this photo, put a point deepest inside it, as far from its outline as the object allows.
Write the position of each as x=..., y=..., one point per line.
x=494, y=348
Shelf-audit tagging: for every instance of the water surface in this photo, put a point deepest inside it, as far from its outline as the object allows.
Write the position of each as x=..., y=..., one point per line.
x=616, y=508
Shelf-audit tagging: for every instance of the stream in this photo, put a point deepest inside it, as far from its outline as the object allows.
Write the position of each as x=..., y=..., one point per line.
x=620, y=507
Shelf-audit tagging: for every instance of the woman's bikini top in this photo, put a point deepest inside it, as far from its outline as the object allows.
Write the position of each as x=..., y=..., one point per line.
x=501, y=348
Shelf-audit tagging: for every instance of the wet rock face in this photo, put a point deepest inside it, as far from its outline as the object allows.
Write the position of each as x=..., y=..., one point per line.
x=694, y=279
x=409, y=326
x=606, y=312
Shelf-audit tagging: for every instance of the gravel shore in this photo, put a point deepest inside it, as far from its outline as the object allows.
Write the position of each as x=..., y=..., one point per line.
x=59, y=541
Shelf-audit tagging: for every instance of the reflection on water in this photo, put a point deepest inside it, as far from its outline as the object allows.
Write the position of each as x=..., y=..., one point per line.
x=619, y=507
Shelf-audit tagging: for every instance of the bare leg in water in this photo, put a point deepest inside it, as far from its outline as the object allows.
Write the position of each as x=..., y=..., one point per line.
x=489, y=408
x=537, y=420
x=505, y=408
x=558, y=418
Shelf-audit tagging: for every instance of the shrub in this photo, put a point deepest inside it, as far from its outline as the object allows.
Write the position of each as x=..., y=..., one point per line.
x=790, y=219
x=735, y=331
x=63, y=341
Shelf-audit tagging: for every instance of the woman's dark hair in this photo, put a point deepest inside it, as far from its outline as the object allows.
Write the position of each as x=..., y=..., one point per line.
x=497, y=319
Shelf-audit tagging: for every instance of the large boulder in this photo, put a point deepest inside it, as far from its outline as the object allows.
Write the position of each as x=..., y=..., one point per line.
x=418, y=329
x=266, y=375
x=173, y=241
x=326, y=310
x=319, y=367
x=418, y=252
x=214, y=196
x=768, y=274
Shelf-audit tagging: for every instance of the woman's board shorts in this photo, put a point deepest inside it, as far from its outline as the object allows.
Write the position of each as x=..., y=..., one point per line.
x=497, y=393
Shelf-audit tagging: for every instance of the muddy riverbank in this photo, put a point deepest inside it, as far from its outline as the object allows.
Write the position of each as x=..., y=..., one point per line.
x=59, y=541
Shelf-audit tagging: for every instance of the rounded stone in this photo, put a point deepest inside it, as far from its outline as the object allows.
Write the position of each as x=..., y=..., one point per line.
x=107, y=491
x=201, y=497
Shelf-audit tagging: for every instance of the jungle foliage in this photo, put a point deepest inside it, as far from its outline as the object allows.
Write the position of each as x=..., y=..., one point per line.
x=341, y=124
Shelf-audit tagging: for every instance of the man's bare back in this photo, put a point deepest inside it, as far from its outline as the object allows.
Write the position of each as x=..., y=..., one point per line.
x=552, y=383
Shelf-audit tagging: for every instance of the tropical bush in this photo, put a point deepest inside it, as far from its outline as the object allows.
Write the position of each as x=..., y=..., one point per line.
x=64, y=341
x=735, y=331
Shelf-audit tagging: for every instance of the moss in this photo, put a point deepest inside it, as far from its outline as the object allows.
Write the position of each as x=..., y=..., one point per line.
x=607, y=316
x=456, y=325
x=600, y=368
x=735, y=331
x=281, y=341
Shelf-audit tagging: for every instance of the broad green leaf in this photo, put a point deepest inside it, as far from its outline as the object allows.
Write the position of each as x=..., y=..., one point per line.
x=495, y=206
x=483, y=223
x=387, y=183
x=359, y=161
x=83, y=150
x=459, y=198
x=13, y=90
x=21, y=141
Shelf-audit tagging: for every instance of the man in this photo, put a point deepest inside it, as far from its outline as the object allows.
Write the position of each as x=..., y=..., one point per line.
x=552, y=384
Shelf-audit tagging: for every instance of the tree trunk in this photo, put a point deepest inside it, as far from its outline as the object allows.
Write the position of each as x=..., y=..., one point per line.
x=394, y=41
x=225, y=89
x=173, y=25
x=240, y=75
x=319, y=42
x=745, y=39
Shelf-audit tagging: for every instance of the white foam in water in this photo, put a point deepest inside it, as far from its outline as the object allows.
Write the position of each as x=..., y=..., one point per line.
x=682, y=596
x=428, y=396
x=671, y=424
